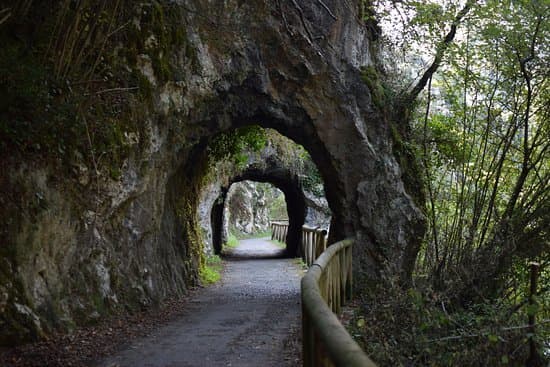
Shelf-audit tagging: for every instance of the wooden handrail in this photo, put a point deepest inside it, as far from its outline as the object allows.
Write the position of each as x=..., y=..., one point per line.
x=327, y=283
x=314, y=239
x=279, y=220
x=325, y=287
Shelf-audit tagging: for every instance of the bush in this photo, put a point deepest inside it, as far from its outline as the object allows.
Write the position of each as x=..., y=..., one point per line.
x=421, y=328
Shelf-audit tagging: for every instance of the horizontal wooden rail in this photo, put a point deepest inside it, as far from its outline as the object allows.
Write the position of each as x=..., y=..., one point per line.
x=279, y=220
x=325, y=286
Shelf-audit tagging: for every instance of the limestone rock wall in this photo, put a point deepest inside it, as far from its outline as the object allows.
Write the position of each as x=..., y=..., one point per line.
x=247, y=208
x=101, y=192
x=318, y=213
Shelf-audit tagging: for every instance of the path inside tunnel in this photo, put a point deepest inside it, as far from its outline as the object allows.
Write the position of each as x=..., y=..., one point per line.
x=250, y=318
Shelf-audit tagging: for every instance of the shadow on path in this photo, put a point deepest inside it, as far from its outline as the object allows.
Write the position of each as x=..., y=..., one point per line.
x=251, y=318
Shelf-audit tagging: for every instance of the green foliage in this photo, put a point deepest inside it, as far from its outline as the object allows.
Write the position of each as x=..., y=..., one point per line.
x=210, y=272
x=423, y=328
x=232, y=241
x=366, y=10
x=379, y=93
x=445, y=139
x=277, y=208
x=235, y=144
x=487, y=121
x=40, y=115
x=411, y=33
x=32, y=116
x=54, y=99
x=310, y=176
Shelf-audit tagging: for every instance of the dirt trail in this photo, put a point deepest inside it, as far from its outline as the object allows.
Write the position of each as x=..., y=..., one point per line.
x=250, y=318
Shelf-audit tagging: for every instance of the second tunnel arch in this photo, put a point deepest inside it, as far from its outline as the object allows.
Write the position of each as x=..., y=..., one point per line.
x=283, y=178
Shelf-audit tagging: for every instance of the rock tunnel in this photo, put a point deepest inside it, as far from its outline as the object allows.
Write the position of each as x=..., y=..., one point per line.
x=282, y=178
x=132, y=238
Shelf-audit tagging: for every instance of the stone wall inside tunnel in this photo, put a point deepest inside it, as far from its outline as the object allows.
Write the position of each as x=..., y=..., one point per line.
x=277, y=163
x=247, y=212
x=91, y=232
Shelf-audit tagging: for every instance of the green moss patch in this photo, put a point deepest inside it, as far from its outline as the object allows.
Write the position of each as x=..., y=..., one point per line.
x=371, y=78
x=210, y=272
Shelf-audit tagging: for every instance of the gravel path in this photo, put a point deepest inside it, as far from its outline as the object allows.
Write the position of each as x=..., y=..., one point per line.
x=251, y=318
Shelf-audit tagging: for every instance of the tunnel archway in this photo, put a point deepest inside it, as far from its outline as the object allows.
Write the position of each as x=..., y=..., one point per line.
x=285, y=180
x=280, y=162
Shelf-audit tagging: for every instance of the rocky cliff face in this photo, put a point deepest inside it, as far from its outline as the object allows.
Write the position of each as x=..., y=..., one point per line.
x=247, y=208
x=318, y=213
x=104, y=158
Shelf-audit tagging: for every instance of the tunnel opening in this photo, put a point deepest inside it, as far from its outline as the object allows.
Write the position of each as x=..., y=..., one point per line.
x=294, y=206
x=280, y=163
x=251, y=207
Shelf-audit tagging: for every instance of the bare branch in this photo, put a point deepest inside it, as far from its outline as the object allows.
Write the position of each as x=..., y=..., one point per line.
x=4, y=15
x=440, y=52
x=116, y=90
x=484, y=333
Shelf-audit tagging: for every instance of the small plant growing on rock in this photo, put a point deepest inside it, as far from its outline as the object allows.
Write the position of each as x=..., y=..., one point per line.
x=210, y=273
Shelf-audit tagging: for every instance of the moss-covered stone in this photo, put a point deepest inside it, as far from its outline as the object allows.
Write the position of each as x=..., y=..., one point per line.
x=407, y=156
x=370, y=77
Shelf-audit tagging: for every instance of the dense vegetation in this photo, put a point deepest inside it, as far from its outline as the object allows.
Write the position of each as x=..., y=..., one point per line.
x=236, y=145
x=481, y=132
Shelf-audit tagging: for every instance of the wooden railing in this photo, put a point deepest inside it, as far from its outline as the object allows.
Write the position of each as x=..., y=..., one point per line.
x=326, y=285
x=279, y=230
x=314, y=242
